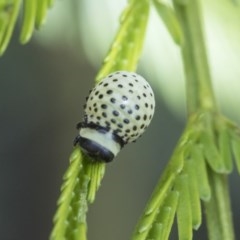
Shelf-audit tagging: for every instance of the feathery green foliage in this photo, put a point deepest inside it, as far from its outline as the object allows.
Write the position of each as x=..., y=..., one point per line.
x=123, y=54
x=127, y=45
x=203, y=157
x=34, y=15
x=187, y=175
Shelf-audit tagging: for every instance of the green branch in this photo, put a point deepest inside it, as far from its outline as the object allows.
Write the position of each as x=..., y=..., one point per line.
x=200, y=96
x=198, y=81
x=218, y=210
x=80, y=188
x=202, y=158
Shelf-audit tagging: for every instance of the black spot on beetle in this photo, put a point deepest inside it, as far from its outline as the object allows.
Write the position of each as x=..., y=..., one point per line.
x=109, y=91
x=137, y=107
x=124, y=98
x=122, y=106
x=120, y=125
x=113, y=100
x=137, y=117
x=126, y=120
x=104, y=106
x=115, y=113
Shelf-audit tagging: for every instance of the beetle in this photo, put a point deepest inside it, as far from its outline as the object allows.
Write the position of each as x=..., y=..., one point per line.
x=117, y=111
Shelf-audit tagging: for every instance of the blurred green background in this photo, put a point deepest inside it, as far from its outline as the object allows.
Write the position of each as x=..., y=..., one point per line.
x=43, y=88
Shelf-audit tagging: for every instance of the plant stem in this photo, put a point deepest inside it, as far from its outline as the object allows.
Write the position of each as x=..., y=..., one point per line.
x=200, y=96
x=198, y=80
x=218, y=211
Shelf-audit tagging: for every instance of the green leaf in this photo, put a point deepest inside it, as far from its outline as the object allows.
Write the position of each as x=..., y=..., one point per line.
x=28, y=20
x=4, y=18
x=235, y=144
x=158, y=197
x=42, y=7
x=127, y=45
x=10, y=14
x=170, y=20
x=194, y=194
x=164, y=220
x=34, y=15
x=184, y=216
x=211, y=152
x=81, y=181
x=160, y=193
x=71, y=179
x=77, y=217
x=201, y=173
x=225, y=149
x=165, y=184
x=95, y=172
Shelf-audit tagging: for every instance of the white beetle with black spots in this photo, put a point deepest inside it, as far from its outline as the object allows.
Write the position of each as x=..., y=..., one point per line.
x=118, y=110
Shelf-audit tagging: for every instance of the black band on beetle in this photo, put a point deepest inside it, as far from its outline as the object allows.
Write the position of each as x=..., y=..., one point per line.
x=95, y=150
